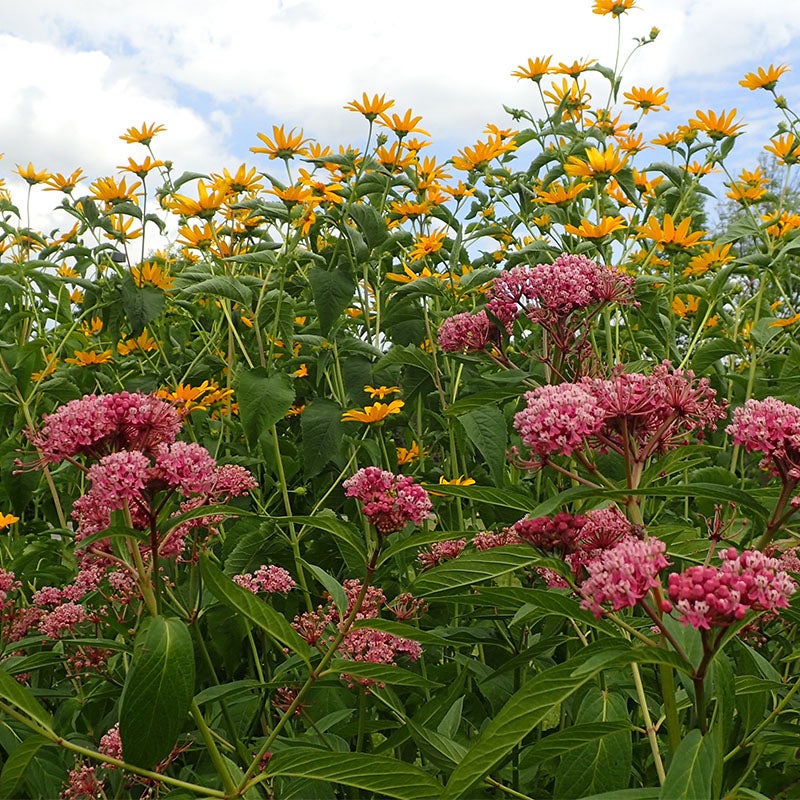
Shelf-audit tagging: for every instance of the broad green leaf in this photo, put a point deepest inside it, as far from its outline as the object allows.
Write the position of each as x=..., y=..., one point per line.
x=691, y=771
x=604, y=763
x=573, y=738
x=626, y=794
x=221, y=286
x=381, y=673
x=481, y=400
x=333, y=291
x=256, y=610
x=371, y=223
x=157, y=692
x=16, y=765
x=509, y=498
x=20, y=696
x=263, y=400
x=381, y=776
x=434, y=745
x=486, y=429
x=472, y=568
x=221, y=691
x=327, y=521
x=523, y=712
x=409, y=356
x=711, y=352
x=142, y=304
x=323, y=430
x=333, y=587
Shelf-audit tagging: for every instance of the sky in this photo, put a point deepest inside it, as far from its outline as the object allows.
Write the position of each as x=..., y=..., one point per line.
x=78, y=73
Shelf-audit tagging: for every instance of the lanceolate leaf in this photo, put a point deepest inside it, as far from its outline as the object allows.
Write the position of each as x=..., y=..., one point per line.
x=381, y=776
x=381, y=673
x=509, y=498
x=20, y=696
x=691, y=770
x=16, y=765
x=256, y=610
x=158, y=691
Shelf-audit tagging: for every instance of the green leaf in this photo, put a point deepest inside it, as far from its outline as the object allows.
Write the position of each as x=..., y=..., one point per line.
x=371, y=223
x=326, y=520
x=333, y=291
x=158, y=691
x=323, y=431
x=263, y=400
x=142, y=304
x=22, y=697
x=381, y=673
x=385, y=777
x=486, y=429
x=257, y=611
x=410, y=356
x=333, y=587
x=16, y=765
x=221, y=286
x=526, y=709
x=472, y=568
x=573, y=738
x=711, y=352
x=692, y=768
x=508, y=498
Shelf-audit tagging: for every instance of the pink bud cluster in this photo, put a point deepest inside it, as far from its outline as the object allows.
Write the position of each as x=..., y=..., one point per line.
x=771, y=427
x=390, y=501
x=547, y=292
x=652, y=413
x=266, y=579
x=560, y=533
x=441, y=551
x=622, y=575
x=466, y=332
x=363, y=644
x=99, y=424
x=486, y=540
x=709, y=596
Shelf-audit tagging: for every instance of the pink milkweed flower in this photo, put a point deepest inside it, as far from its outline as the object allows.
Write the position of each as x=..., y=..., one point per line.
x=390, y=501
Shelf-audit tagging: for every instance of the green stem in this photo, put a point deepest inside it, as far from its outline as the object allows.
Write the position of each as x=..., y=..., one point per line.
x=213, y=752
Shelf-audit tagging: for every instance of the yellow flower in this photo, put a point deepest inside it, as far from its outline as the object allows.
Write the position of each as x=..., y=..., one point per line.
x=196, y=237
x=764, y=79
x=410, y=455
x=599, y=165
x=717, y=256
x=571, y=97
x=785, y=149
x=187, y=398
x=301, y=371
x=374, y=413
x=404, y=125
x=90, y=358
x=750, y=188
x=409, y=275
x=31, y=176
x=296, y=410
x=144, y=343
x=669, y=235
x=153, y=273
x=140, y=169
x=109, y=191
x=58, y=183
x=76, y=296
x=49, y=369
x=786, y=322
x=461, y=480
x=370, y=108
x=780, y=224
x=716, y=127
x=381, y=391
x=319, y=191
x=534, y=70
x=556, y=193
x=479, y=156
x=426, y=245
x=614, y=7
x=143, y=135
x=7, y=519
x=282, y=145
x=575, y=68
x=647, y=100
x=681, y=308
x=66, y=271
x=91, y=327
x=587, y=230
x=207, y=203
x=244, y=180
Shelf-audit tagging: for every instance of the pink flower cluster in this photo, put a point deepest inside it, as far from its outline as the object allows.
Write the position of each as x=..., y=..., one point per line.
x=486, y=540
x=560, y=533
x=100, y=424
x=465, y=331
x=709, y=596
x=622, y=575
x=550, y=291
x=266, y=579
x=771, y=427
x=651, y=413
x=441, y=551
x=390, y=501
x=363, y=644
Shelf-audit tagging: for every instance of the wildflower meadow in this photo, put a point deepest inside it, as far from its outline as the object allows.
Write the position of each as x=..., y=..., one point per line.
x=357, y=473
